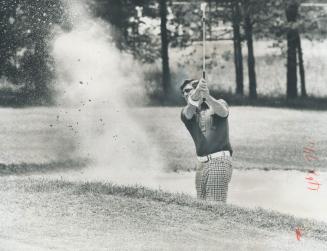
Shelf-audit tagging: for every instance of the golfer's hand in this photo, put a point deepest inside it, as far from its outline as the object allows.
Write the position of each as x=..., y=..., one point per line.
x=200, y=92
x=203, y=88
x=194, y=99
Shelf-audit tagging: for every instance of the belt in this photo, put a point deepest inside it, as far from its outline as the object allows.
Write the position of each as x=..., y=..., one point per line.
x=213, y=156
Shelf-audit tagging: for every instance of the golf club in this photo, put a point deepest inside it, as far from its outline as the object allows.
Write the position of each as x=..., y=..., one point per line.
x=203, y=8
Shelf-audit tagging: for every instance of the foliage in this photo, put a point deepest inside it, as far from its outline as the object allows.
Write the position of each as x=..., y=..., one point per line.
x=134, y=25
x=25, y=27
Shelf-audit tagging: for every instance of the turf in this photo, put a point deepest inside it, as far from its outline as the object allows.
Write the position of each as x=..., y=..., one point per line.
x=58, y=215
x=260, y=218
x=42, y=214
x=262, y=138
x=28, y=168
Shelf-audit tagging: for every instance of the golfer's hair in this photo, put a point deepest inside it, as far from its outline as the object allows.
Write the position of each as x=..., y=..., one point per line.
x=186, y=82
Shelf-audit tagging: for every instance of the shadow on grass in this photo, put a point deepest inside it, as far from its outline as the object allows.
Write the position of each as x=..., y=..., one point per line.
x=30, y=168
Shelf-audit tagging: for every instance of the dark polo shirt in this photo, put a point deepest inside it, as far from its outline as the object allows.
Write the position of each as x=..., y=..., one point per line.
x=210, y=132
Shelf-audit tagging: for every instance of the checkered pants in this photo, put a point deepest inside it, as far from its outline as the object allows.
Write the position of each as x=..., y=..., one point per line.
x=212, y=179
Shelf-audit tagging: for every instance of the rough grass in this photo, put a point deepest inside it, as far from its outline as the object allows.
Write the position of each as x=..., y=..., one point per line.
x=54, y=214
x=258, y=218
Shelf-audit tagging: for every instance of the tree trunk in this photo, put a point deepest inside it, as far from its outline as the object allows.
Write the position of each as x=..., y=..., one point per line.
x=248, y=27
x=40, y=73
x=238, y=57
x=164, y=49
x=301, y=66
x=291, y=14
x=2, y=63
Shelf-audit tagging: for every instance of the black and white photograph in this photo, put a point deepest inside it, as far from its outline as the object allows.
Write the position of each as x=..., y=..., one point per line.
x=163, y=125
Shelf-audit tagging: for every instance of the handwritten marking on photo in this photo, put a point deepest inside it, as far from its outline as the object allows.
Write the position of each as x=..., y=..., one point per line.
x=298, y=233
x=309, y=153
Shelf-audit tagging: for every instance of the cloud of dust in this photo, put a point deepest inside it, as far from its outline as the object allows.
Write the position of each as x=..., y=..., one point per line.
x=96, y=82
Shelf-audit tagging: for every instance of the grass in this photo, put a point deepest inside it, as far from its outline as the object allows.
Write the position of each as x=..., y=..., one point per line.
x=58, y=214
x=262, y=138
x=30, y=168
x=259, y=217
x=144, y=208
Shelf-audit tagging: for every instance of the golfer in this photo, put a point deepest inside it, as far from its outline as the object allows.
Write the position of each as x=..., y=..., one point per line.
x=207, y=121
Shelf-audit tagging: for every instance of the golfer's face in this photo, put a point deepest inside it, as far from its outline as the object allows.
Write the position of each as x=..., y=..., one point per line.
x=187, y=90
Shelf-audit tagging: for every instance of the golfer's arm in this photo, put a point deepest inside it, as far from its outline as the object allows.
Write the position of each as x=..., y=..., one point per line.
x=220, y=107
x=189, y=111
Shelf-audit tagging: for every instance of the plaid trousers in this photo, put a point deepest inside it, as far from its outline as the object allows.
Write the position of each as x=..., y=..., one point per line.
x=212, y=179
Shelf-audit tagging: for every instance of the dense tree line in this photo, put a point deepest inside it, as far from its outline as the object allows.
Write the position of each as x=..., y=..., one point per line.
x=25, y=28
x=249, y=19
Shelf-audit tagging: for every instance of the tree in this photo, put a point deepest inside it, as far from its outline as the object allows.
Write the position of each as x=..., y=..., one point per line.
x=268, y=16
x=127, y=16
x=292, y=45
x=303, y=19
x=249, y=18
x=117, y=13
x=257, y=16
x=25, y=29
x=164, y=49
x=237, y=42
x=291, y=26
x=248, y=29
x=8, y=36
x=301, y=67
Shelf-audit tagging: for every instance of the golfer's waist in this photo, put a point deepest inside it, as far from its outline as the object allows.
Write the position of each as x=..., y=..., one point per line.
x=213, y=156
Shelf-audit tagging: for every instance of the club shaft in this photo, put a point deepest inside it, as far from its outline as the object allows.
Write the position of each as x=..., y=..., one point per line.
x=203, y=44
x=204, y=47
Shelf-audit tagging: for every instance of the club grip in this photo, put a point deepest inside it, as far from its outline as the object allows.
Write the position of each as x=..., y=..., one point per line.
x=204, y=77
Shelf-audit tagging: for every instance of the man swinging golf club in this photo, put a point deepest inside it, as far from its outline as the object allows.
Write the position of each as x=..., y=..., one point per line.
x=207, y=121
